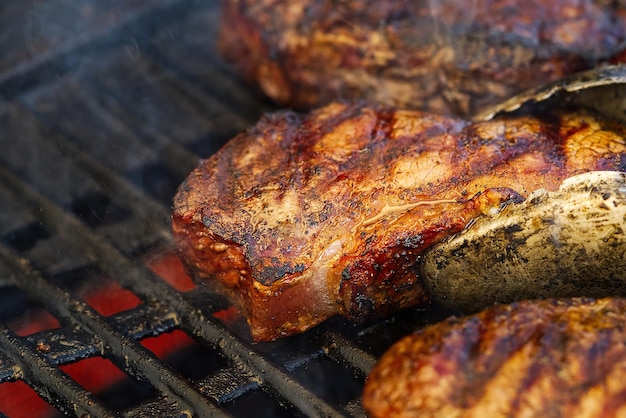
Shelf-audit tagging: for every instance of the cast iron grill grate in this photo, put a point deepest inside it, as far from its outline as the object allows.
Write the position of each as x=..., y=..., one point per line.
x=101, y=132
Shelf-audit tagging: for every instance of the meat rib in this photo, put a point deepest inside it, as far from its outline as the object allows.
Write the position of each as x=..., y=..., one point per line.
x=306, y=216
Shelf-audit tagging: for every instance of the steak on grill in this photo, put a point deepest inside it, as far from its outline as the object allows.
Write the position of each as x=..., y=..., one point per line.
x=450, y=57
x=305, y=216
x=552, y=358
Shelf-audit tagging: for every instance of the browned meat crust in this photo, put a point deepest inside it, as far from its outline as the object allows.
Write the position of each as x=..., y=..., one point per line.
x=450, y=57
x=307, y=216
x=551, y=358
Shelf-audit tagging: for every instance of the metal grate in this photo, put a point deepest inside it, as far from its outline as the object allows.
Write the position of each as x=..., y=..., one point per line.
x=96, y=135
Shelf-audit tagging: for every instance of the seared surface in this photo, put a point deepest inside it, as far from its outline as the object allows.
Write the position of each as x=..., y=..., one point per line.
x=551, y=358
x=306, y=216
x=451, y=57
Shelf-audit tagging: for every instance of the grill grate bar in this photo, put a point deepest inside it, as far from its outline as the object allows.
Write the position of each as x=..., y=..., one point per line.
x=150, y=287
x=342, y=349
x=50, y=65
x=212, y=331
x=68, y=344
x=101, y=117
x=10, y=370
x=176, y=93
x=146, y=210
x=179, y=160
x=223, y=88
x=149, y=224
x=228, y=384
x=158, y=407
x=131, y=356
x=67, y=395
x=147, y=320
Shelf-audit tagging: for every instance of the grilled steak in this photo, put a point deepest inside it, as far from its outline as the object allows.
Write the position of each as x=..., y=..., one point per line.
x=305, y=216
x=553, y=358
x=450, y=57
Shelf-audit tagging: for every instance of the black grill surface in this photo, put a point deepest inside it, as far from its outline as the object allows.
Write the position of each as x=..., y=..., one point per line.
x=105, y=107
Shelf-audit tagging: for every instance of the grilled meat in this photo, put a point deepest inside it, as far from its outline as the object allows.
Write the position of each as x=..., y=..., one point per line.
x=553, y=358
x=306, y=216
x=450, y=57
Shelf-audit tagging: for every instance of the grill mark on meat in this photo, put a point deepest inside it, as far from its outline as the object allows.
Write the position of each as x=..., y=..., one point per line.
x=384, y=125
x=489, y=355
x=309, y=131
x=541, y=374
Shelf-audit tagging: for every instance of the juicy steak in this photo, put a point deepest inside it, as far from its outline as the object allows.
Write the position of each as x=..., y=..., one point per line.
x=450, y=57
x=305, y=216
x=553, y=358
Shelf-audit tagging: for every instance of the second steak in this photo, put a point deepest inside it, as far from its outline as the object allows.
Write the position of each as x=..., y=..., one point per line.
x=450, y=57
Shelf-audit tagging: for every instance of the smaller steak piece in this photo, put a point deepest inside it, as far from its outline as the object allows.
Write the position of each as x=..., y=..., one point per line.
x=552, y=358
x=449, y=57
x=306, y=216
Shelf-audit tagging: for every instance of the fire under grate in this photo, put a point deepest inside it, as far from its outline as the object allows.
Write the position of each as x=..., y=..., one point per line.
x=96, y=136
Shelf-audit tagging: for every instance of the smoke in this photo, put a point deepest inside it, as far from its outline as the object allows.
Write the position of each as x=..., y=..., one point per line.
x=452, y=18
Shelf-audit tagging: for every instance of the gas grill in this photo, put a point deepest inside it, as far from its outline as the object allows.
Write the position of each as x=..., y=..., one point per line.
x=105, y=107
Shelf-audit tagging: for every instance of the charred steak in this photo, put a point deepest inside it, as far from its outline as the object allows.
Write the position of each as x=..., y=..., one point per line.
x=553, y=358
x=450, y=57
x=306, y=216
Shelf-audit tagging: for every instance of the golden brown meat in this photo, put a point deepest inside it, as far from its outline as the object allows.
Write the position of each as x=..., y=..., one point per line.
x=450, y=57
x=553, y=358
x=304, y=217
